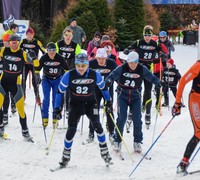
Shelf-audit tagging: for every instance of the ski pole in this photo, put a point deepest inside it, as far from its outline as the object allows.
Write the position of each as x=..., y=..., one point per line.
x=121, y=137
x=143, y=157
x=34, y=111
x=64, y=112
x=193, y=157
x=51, y=140
x=38, y=96
x=159, y=102
x=82, y=124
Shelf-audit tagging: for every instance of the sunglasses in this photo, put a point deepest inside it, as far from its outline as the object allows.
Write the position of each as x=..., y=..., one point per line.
x=149, y=35
x=81, y=65
x=97, y=37
x=51, y=50
x=162, y=37
x=67, y=35
x=14, y=42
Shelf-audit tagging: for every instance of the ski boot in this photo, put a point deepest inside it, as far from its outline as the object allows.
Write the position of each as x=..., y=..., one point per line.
x=26, y=135
x=182, y=167
x=45, y=122
x=166, y=103
x=1, y=131
x=13, y=109
x=65, y=157
x=55, y=123
x=137, y=147
x=5, y=119
x=129, y=122
x=67, y=114
x=105, y=153
x=111, y=138
x=148, y=120
x=143, y=108
x=117, y=146
x=90, y=137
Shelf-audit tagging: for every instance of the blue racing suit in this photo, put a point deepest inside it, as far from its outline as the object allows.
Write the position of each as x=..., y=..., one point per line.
x=129, y=94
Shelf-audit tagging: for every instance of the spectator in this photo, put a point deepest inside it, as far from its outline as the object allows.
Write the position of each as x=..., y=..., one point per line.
x=13, y=29
x=95, y=42
x=79, y=35
x=163, y=39
x=171, y=77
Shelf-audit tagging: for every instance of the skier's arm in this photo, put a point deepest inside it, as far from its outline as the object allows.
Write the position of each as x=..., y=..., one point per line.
x=64, y=83
x=101, y=84
x=132, y=47
x=113, y=76
x=188, y=76
x=41, y=47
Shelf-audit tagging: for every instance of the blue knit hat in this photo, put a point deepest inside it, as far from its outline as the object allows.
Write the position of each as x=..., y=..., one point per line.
x=81, y=58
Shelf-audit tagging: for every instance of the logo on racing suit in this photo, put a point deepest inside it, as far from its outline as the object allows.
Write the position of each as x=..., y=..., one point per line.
x=146, y=47
x=102, y=71
x=83, y=81
x=51, y=63
x=131, y=75
x=12, y=58
x=29, y=46
x=68, y=49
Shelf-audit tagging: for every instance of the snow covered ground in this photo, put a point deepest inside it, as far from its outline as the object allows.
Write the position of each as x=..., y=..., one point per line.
x=23, y=160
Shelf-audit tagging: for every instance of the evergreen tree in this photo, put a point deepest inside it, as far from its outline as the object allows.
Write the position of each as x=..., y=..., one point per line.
x=100, y=11
x=125, y=37
x=90, y=28
x=132, y=11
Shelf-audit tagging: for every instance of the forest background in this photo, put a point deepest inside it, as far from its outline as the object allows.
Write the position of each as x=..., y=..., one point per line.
x=122, y=20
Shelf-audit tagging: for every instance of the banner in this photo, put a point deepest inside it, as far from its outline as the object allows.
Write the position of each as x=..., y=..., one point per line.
x=172, y=1
x=11, y=7
x=23, y=26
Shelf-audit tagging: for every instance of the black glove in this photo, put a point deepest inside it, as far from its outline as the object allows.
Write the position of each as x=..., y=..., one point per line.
x=159, y=85
x=176, y=109
x=108, y=83
x=92, y=54
x=163, y=55
x=57, y=113
x=126, y=51
x=32, y=54
x=37, y=78
x=163, y=83
x=108, y=106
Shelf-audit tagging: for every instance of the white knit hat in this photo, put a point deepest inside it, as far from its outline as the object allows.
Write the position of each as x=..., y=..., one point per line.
x=133, y=57
x=101, y=53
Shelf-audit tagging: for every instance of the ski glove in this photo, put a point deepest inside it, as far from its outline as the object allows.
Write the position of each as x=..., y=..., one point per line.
x=163, y=55
x=37, y=78
x=176, y=109
x=159, y=85
x=57, y=113
x=108, y=83
x=92, y=54
x=32, y=54
x=108, y=107
x=126, y=51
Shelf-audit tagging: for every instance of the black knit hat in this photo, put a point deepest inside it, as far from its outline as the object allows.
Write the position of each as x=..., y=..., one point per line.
x=72, y=19
x=51, y=45
x=97, y=34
